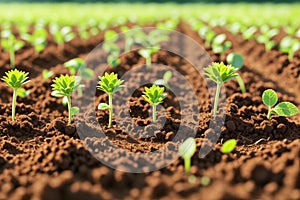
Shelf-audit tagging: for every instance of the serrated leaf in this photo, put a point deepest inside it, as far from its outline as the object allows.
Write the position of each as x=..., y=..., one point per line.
x=286, y=109
x=269, y=97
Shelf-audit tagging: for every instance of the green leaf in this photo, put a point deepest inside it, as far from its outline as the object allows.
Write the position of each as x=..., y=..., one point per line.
x=21, y=92
x=269, y=97
x=229, y=146
x=47, y=74
x=167, y=76
x=56, y=94
x=103, y=106
x=286, y=109
x=188, y=148
x=74, y=110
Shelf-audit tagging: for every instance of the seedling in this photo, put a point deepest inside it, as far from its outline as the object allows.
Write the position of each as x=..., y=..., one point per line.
x=269, y=98
x=164, y=81
x=77, y=67
x=10, y=44
x=237, y=61
x=110, y=84
x=229, y=146
x=147, y=54
x=207, y=34
x=62, y=35
x=154, y=96
x=38, y=39
x=64, y=86
x=111, y=48
x=248, y=33
x=266, y=37
x=130, y=36
x=15, y=79
x=219, y=44
x=186, y=150
x=289, y=45
x=219, y=73
x=47, y=74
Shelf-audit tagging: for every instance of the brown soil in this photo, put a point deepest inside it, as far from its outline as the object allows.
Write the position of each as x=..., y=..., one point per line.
x=43, y=158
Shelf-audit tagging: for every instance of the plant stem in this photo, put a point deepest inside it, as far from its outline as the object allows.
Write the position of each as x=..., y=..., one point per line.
x=110, y=109
x=154, y=113
x=241, y=83
x=148, y=62
x=12, y=58
x=187, y=165
x=13, y=108
x=69, y=109
x=269, y=112
x=217, y=99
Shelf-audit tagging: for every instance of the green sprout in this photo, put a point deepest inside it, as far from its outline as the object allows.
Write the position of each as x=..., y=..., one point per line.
x=147, y=54
x=237, y=61
x=110, y=46
x=270, y=98
x=38, y=39
x=15, y=79
x=47, y=74
x=154, y=96
x=10, y=44
x=62, y=35
x=229, y=146
x=289, y=45
x=219, y=73
x=266, y=37
x=77, y=66
x=110, y=84
x=248, y=33
x=186, y=150
x=207, y=34
x=164, y=81
x=64, y=86
x=219, y=45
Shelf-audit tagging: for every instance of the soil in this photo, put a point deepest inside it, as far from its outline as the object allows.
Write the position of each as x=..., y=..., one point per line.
x=44, y=158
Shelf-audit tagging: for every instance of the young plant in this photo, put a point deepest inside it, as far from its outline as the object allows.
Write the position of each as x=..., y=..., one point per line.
x=164, y=81
x=47, y=74
x=64, y=86
x=147, y=54
x=237, y=61
x=15, y=79
x=10, y=44
x=110, y=46
x=186, y=150
x=289, y=45
x=266, y=37
x=248, y=33
x=110, y=84
x=62, y=35
x=154, y=96
x=219, y=45
x=77, y=66
x=269, y=98
x=207, y=34
x=38, y=39
x=229, y=146
x=219, y=73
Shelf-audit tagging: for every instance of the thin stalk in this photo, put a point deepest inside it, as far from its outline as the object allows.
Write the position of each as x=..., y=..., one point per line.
x=148, y=62
x=69, y=109
x=187, y=165
x=13, y=108
x=154, y=113
x=290, y=55
x=12, y=58
x=241, y=83
x=110, y=109
x=217, y=99
x=269, y=112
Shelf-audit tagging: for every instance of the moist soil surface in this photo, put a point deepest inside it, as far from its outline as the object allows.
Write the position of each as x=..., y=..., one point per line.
x=44, y=158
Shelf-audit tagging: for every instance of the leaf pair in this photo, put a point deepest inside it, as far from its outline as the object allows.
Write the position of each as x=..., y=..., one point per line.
x=269, y=98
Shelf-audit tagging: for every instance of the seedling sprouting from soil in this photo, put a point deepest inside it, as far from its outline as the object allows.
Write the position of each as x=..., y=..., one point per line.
x=62, y=35
x=248, y=33
x=147, y=54
x=110, y=84
x=269, y=98
x=38, y=39
x=228, y=146
x=207, y=34
x=15, y=79
x=64, y=86
x=109, y=46
x=186, y=150
x=237, y=61
x=289, y=45
x=47, y=74
x=219, y=45
x=164, y=81
x=219, y=73
x=154, y=96
x=10, y=44
x=266, y=37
